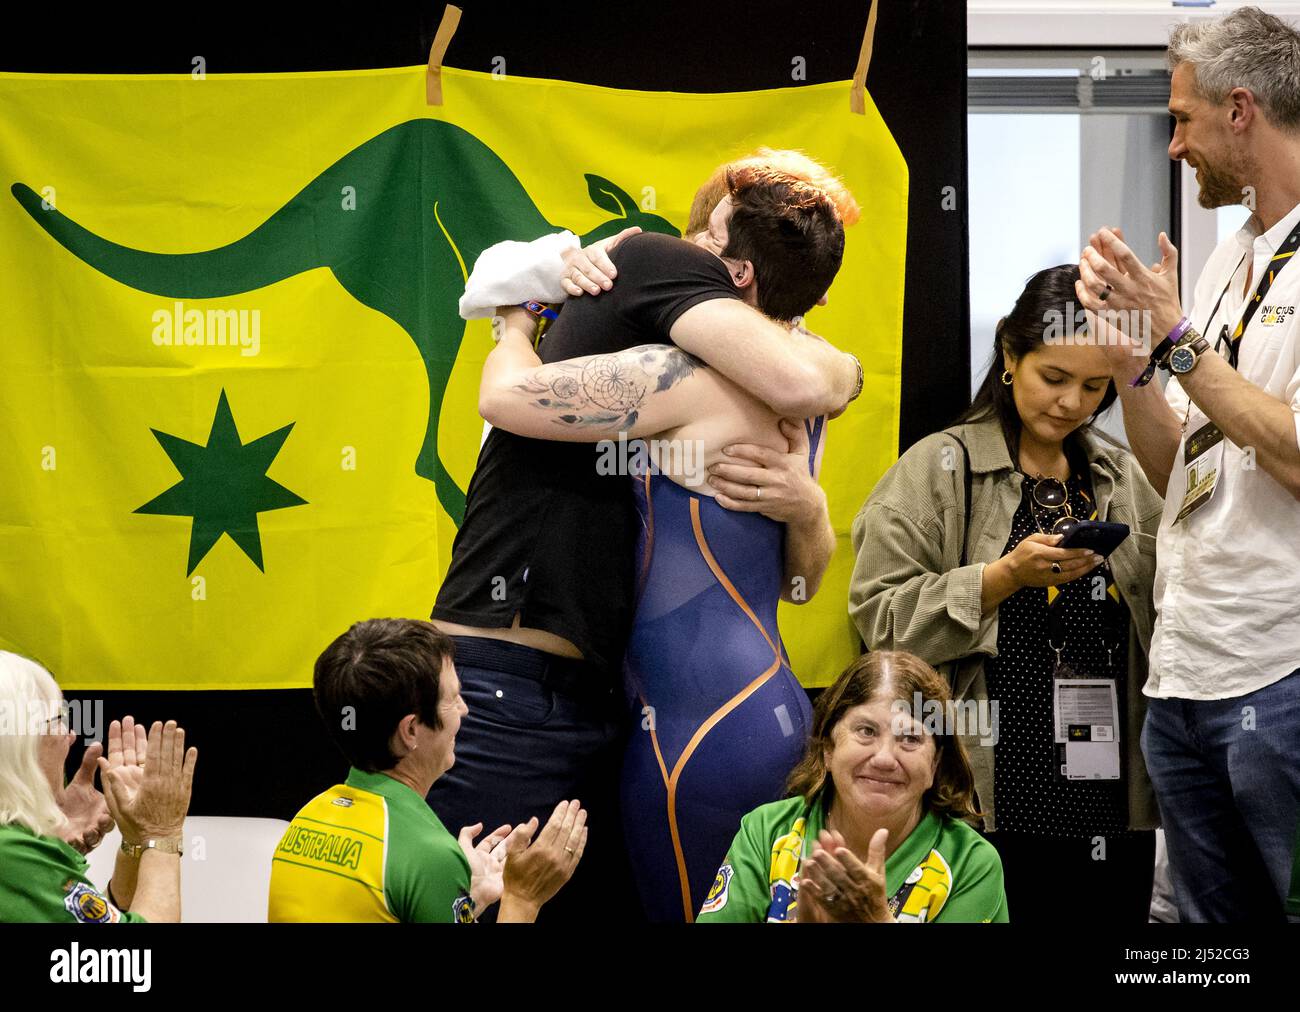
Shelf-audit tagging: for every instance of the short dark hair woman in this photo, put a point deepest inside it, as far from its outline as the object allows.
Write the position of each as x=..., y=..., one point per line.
x=371, y=849
x=958, y=562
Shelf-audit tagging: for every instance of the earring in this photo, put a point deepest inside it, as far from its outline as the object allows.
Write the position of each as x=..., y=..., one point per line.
x=1006, y=377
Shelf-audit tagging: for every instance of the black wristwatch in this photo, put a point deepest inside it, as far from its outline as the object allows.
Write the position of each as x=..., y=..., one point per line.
x=1160, y=356
x=1184, y=357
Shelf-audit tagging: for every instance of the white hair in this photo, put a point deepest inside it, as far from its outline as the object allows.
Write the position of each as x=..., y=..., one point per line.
x=1244, y=49
x=26, y=796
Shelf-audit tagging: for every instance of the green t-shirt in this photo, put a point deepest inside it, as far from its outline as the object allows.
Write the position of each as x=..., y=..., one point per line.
x=369, y=849
x=944, y=871
x=42, y=879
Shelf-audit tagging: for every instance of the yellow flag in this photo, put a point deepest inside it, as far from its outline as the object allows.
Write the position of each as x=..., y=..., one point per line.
x=239, y=406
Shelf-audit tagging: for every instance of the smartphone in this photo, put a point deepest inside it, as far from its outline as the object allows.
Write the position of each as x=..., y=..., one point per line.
x=1095, y=535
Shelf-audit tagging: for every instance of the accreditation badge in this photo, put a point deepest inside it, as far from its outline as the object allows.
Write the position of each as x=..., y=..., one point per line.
x=1085, y=712
x=1202, y=465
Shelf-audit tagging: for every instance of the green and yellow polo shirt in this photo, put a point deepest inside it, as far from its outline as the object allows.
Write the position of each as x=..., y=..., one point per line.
x=944, y=871
x=369, y=849
x=42, y=879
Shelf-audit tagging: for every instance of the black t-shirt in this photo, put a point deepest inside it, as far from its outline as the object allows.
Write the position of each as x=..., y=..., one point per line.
x=545, y=535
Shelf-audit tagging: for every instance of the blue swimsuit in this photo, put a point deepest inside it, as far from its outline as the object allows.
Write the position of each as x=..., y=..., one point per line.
x=719, y=720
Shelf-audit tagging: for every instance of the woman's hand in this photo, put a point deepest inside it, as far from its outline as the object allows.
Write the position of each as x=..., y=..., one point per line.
x=775, y=484
x=835, y=886
x=589, y=270
x=535, y=871
x=1030, y=562
x=151, y=803
x=84, y=807
x=487, y=862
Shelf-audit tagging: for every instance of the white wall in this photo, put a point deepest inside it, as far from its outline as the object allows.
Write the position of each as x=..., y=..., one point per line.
x=1091, y=22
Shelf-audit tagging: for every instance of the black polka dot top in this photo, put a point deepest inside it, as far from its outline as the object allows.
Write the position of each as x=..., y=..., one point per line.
x=1029, y=798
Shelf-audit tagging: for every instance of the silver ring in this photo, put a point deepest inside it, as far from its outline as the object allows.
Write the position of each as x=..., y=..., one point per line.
x=831, y=897
x=1104, y=294
x=1056, y=567
x=569, y=850
x=758, y=492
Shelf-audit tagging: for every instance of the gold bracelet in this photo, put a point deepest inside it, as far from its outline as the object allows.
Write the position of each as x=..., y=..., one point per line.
x=164, y=845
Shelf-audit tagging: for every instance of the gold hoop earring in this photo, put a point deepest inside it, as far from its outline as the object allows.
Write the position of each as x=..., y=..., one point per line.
x=1006, y=377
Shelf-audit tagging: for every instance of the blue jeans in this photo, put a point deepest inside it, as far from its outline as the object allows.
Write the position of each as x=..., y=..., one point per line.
x=524, y=746
x=1227, y=779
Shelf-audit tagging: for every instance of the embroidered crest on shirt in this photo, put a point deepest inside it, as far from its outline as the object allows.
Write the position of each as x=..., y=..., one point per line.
x=89, y=906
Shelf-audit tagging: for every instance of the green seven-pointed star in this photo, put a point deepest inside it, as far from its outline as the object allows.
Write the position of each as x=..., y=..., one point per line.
x=223, y=486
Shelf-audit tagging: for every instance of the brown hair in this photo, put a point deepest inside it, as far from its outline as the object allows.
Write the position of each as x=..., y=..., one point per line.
x=789, y=230
x=792, y=163
x=382, y=669
x=953, y=791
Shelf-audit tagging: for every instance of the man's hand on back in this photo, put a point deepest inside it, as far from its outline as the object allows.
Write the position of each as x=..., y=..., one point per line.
x=589, y=270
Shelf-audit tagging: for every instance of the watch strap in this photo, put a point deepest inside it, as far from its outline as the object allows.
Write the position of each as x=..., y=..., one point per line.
x=162, y=844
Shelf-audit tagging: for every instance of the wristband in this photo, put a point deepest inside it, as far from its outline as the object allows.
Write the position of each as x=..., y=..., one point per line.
x=1161, y=354
x=540, y=309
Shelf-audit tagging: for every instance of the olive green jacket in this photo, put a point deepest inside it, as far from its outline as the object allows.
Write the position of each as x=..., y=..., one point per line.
x=909, y=591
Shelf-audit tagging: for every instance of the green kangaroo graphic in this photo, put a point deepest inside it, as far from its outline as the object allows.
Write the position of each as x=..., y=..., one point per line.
x=429, y=196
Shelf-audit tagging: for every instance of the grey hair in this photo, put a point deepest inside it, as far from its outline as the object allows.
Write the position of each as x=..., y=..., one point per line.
x=1244, y=49
x=27, y=691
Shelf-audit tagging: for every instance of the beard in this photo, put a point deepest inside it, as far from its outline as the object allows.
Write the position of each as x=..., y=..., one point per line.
x=1226, y=183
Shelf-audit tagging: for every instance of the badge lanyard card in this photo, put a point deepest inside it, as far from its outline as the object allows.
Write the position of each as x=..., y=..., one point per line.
x=1203, y=449
x=1085, y=705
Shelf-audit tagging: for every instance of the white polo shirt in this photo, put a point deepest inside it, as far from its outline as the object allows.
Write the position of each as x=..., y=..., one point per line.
x=1227, y=587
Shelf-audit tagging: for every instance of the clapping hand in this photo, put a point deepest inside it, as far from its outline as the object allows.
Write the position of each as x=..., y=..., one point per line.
x=487, y=862
x=87, y=812
x=835, y=886
x=534, y=874
x=89, y=820
x=1111, y=277
x=149, y=800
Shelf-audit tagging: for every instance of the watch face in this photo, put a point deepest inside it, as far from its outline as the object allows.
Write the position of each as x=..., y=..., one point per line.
x=1182, y=360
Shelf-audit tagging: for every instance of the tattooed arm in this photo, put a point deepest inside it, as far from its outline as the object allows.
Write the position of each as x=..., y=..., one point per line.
x=641, y=391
